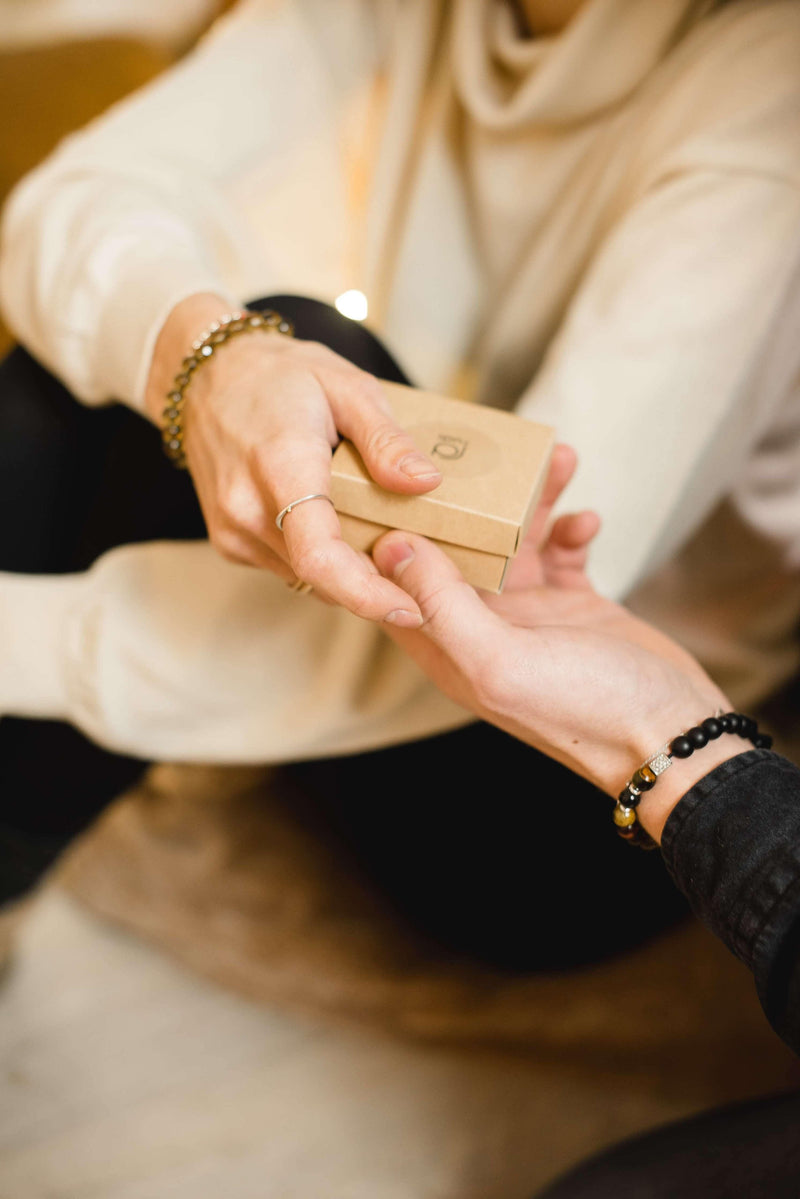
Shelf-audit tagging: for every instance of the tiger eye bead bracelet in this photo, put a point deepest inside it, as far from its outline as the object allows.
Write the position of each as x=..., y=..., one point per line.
x=683, y=746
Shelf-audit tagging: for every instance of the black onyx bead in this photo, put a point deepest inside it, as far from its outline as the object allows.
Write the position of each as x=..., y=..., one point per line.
x=627, y=799
x=762, y=741
x=725, y=721
x=681, y=747
x=698, y=737
x=713, y=728
x=733, y=719
x=748, y=728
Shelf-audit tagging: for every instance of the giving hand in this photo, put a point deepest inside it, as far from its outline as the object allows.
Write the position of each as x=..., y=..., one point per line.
x=262, y=417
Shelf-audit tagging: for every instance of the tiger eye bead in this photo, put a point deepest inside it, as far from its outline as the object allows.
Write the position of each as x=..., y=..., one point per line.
x=624, y=817
x=644, y=779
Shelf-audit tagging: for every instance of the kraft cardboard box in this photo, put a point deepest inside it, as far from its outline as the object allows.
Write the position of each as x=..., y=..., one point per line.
x=494, y=466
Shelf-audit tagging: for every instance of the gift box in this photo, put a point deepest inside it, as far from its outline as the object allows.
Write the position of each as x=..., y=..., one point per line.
x=493, y=464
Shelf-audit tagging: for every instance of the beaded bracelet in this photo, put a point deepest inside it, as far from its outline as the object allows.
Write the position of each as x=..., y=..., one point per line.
x=625, y=817
x=203, y=348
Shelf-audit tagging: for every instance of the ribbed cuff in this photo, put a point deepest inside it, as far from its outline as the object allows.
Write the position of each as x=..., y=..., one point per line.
x=35, y=612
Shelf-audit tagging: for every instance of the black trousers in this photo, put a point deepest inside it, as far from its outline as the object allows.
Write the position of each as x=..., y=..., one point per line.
x=483, y=845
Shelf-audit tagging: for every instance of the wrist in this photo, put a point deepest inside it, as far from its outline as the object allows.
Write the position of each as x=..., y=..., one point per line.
x=705, y=742
x=185, y=323
x=657, y=805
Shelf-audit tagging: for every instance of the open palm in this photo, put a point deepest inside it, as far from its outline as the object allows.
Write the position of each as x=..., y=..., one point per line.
x=550, y=660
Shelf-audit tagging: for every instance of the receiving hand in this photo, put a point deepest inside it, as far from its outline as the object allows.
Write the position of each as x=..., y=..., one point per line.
x=551, y=661
x=263, y=416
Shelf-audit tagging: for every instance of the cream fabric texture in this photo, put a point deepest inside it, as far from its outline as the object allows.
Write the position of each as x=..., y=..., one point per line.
x=599, y=229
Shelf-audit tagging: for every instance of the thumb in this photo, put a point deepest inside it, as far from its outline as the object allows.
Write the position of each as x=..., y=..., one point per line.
x=455, y=618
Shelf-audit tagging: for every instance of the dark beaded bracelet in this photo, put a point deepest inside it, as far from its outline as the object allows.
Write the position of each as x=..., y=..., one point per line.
x=625, y=815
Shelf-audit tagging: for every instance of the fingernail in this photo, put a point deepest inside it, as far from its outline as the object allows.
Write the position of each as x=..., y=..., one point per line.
x=404, y=619
x=399, y=556
x=417, y=466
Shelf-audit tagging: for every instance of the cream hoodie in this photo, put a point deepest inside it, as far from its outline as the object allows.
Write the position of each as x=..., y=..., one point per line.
x=600, y=229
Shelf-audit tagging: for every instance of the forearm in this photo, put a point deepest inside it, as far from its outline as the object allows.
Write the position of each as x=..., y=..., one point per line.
x=165, y=651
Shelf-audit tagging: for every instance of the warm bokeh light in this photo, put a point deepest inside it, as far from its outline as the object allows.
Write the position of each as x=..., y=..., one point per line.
x=352, y=304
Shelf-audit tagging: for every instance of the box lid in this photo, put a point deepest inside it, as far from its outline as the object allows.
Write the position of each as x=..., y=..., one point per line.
x=494, y=465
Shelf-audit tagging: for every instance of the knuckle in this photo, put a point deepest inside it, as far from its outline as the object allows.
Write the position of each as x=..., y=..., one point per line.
x=386, y=441
x=290, y=445
x=318, y=350
x=240, y=505
x=310, y=562
x=436, y=604
x=362, y=604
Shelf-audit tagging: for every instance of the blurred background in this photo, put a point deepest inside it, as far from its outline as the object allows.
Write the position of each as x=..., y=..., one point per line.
x=64, y=61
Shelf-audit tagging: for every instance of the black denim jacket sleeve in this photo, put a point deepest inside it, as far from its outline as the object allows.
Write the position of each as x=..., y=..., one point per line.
x=732, y=845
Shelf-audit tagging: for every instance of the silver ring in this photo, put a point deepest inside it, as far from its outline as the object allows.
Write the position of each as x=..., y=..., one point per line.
x=299, y=587
x=284, y=512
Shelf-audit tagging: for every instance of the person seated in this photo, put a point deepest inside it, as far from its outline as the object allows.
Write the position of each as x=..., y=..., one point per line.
x=587, y=212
